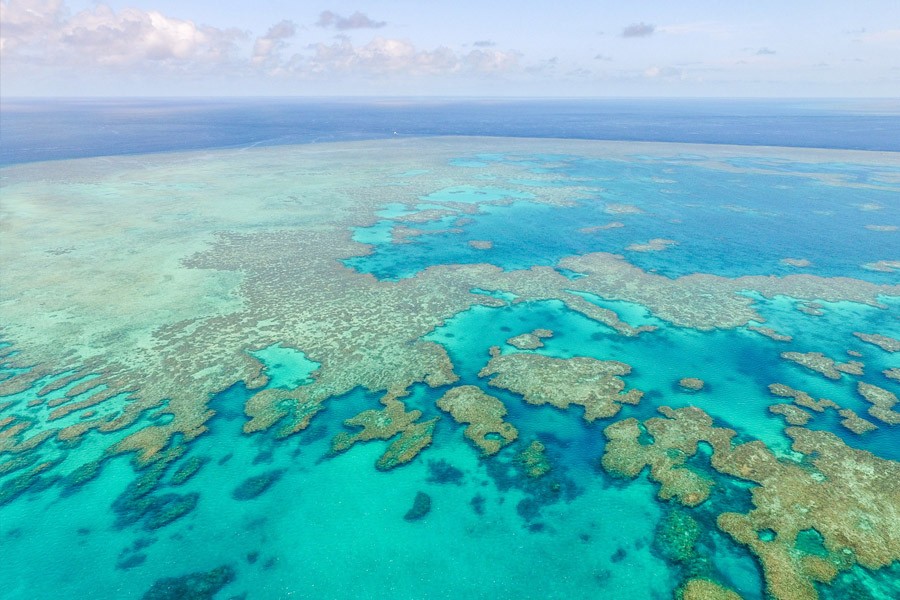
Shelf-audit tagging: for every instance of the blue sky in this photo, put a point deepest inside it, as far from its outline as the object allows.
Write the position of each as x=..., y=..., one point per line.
x=797, y=48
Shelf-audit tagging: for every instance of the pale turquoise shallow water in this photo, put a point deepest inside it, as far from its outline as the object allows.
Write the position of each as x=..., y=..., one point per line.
x=334, y=527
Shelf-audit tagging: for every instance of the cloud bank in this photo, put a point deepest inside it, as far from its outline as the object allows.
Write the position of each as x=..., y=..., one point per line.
x=384, y=56
x=267, y=46
x=637, y=30
x=355, y=21
x=42, y=33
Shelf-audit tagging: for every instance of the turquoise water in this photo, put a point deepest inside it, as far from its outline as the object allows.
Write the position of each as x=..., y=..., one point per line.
x=726, y=223
x=293, y=519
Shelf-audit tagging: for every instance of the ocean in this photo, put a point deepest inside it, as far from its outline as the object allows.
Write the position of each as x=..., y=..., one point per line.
x=636, y=349
x=57, y=129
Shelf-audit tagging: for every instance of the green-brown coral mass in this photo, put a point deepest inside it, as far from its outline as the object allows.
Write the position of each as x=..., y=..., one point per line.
x=588, y=382
x=848, y=496
x=483, y=413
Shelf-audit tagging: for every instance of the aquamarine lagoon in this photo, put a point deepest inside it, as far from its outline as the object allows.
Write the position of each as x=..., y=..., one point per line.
x=452, y=367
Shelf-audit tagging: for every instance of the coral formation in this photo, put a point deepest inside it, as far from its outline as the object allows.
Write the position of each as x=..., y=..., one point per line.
x=770, y=333
x=593, y=384
x=691, y=383
x=384, y=424
x=855, y=423
x=676, y=536
x=481, y=244
x=847, y=495
x=530, y=341
x=882, y=402
x=194, y=586
x=794, y=415
x=813, y=309
x=622, y=209
x=706, y=589
x=888, y=344
x=187, y=470
x=818, y=362
x=796, y=262
x=883, y=266
x=675, y=441
x=421, y=507
x=595, y=228
x=255, y=486
x=533, y=459
x=801, y=398
x=654, y=245
x=483, y=413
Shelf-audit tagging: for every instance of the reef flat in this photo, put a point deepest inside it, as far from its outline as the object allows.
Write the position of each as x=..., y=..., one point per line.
x=259, y=360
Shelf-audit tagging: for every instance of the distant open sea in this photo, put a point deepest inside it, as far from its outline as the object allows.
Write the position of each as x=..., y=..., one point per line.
x=51, y=129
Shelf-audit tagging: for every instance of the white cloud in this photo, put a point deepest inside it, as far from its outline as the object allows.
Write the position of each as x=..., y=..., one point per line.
x=37, y=32
x=887, y=36
x=708, y=28
x=664, y=73
x=383, y=56
x=355, y=21
x=267, y=46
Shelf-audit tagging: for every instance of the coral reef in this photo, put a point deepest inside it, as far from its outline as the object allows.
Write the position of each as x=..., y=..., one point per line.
x=622, y=209
x=794, y=415
x=483, y=413
x=255, y=486
x=654, y=245
x=796, y=262
x=190, y=468
x=530, y=341
x=691, y=383
x=425, y=216
x=888, y=344
x=706, y=589
x=818, y=362
x=882, y=402
x=675, y=440
x=813, y=309
x=801, y=398
x=421, y=507
x=595, y=228
x=177, y=303
x=384, y=424
x=855, y=423
x=676, y=536
x=533, y=459
x=481, y=244
x=882, y=227
x=770, y=333
x=195, y=586
x=847, y=495
x=587, y=382
x=883, y=266
x=440, y=471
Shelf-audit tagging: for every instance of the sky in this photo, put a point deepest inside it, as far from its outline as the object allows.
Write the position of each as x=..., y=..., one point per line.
x=563, y=48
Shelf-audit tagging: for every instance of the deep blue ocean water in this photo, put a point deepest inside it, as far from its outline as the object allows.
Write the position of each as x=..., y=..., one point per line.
x=52, y=129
